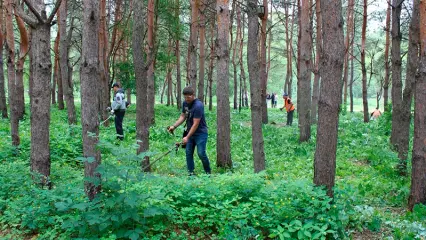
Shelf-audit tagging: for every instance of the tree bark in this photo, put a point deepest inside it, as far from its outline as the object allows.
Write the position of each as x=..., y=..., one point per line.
x=263, y=76
x=58, y=79
x=211, y=67
x=142, y=119
x=328, y=106
x=10, y=46
x=150, y=54
x=19, y=77
x=403, y=140
x=3, y=105
x=304, y=82
x=418, y=176
x=202, y=31
x=223, y=144
x=351, y=93
x=105, y=87
x=89, y=80
x=349, y=27
x=255, y=87
x=397, y=98
x=316, y=84
x=55, y=68
x=39, y=92
x=363, y=67
x=387, y=70
x=178, y=72
x=242, y=72
x=64, y=63
x=193, y=42
x=234, y=55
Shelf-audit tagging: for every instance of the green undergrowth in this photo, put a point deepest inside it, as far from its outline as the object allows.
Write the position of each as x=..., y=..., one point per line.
x=278, y=203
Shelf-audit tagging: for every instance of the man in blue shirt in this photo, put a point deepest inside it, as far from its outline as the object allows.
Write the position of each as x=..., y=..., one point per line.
x=196, y=126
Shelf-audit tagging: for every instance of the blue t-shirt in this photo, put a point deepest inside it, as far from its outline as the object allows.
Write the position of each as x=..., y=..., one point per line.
x=195, y=110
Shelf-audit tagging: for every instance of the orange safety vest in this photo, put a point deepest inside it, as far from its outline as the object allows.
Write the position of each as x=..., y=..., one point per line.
x=288, y=105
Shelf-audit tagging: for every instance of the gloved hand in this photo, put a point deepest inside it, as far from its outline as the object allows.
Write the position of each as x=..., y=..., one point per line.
x=112, y=112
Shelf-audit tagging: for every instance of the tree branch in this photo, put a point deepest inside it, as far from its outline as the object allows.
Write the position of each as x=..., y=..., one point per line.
x=55, y=9
x=27, y=19
x=34, y=11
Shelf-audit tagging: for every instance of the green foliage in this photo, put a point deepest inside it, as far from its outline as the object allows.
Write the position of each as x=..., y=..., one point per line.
x=278, y=203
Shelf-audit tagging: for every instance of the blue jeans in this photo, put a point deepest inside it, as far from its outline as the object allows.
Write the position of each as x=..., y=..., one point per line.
x=199, y=140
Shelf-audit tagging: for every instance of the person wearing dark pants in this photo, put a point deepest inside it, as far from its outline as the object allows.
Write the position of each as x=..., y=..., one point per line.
x=196, y=128
x=289, y=107
x=200, y=141
x=119, y=116
x=118, y=108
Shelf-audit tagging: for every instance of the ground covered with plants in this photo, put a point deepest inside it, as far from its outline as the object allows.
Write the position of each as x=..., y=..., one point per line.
x=281, y=202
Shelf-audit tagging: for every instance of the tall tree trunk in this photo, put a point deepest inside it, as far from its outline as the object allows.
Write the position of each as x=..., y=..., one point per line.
x=418, y=176
x=363, y=67
x=10, y=46
x=263, y=77
x=255, y=87
x=178, y=72
x=316, y=84
x=348, y=40
x=58, y=79
x=289, y=49
x=104, y=92
x=328, y=105
x=202, y=27
x=387, y=70
x=268, y=64
x=193, y=42
x=3, y=105
x=142, y=119
x=39, y=92
x=211, y=66
x=304, y=82
x=19, y=77
x=403, y=140
x=89, y=78
x=55, y=68
x=351, y=93
x=64, y=63
x=242, y=72
x=223, y=144
x=397, y=112
x=234, y=55
x=150, y=54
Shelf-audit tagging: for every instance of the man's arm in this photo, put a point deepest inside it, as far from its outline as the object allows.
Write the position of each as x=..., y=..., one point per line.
x=177, y=123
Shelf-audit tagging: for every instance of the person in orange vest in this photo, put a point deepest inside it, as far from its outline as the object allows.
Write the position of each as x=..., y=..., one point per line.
x=289, y=107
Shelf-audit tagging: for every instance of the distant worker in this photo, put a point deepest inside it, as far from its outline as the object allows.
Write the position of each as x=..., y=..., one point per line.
x=289, y=107
x=273, y=99
x=375, y=114
x=118, y=108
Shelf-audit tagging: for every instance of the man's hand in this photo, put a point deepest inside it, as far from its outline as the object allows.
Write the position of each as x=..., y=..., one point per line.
x=112, y=112
x=171, y=129
x=185, y=140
